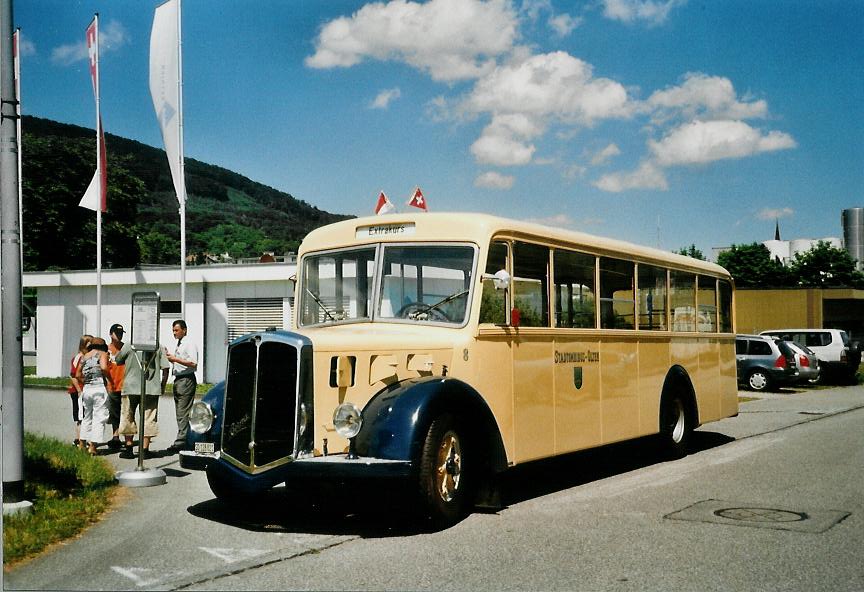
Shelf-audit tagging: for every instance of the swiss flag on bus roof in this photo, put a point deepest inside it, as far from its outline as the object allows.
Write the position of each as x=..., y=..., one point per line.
x=418, y=201
x=383, y=206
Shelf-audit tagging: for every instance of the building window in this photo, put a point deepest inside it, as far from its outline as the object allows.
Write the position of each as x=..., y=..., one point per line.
x=246, y=315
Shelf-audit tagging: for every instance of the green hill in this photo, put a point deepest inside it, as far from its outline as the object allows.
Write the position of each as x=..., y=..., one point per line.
x=225, y=212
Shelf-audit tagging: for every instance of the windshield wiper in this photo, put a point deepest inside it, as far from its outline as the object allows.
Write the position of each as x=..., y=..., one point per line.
x=321, y=304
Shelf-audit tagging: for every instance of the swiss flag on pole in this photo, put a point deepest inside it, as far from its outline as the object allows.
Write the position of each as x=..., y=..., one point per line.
x=383, y=206
x=95, y=197
x=418, y=201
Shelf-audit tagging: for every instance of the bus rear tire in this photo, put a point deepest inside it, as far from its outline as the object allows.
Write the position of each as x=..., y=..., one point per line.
x=444, y=480
x=676, y=427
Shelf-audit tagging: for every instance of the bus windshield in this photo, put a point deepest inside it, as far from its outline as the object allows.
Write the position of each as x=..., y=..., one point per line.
x=417, y=283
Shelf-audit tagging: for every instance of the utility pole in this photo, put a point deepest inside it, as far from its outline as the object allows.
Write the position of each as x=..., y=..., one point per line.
x=10, y=279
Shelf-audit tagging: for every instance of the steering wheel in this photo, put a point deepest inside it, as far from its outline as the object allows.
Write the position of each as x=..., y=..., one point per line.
x=415, y=309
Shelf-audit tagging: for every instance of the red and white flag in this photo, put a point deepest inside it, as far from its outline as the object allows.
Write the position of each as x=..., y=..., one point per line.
x=96, y=196
x=384, y=206
x=418, y=201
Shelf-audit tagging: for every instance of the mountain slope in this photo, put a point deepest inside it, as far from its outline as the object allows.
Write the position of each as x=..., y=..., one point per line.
x=225, y=212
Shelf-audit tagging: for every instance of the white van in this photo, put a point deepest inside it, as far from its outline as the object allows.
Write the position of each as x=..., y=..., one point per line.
x=831, y=346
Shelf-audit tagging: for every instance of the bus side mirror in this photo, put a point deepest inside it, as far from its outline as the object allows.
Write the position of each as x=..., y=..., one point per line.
x=500, y=279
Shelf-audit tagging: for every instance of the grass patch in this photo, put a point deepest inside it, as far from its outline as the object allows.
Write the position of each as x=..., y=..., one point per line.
x=69, y=489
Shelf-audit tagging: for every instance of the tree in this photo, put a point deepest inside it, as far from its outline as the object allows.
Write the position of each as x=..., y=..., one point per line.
x=752, y=266
x=826, y=266
x=57, y=233
x=691, y=251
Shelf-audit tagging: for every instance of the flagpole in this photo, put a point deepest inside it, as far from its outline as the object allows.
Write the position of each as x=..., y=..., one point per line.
x=181, y=198
x=16, y=42
x=99, y=174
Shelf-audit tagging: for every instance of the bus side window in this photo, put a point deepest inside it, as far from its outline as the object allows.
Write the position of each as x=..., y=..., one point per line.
x=493, y=304
x=531, y=284
x=617, y=307
x=575, y=304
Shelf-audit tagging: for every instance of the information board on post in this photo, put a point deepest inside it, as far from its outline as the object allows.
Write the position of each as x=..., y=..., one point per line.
x=145, y=321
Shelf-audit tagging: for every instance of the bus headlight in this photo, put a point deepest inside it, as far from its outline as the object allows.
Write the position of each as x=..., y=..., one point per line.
x=347, y=420
x=201, y=417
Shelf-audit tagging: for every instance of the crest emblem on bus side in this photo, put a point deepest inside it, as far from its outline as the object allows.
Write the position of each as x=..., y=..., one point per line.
x=577, y=377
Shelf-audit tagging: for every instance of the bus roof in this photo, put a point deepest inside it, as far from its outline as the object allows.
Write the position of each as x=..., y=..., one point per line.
x=480, y=228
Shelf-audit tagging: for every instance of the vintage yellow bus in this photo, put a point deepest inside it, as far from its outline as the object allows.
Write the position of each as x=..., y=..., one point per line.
x=444, y=348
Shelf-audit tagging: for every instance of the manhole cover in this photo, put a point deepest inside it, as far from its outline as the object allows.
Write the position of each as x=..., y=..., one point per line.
x=760, y=515
x=755, y=516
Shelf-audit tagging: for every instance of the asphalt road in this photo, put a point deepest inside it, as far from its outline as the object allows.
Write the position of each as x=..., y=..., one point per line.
x=771, y=500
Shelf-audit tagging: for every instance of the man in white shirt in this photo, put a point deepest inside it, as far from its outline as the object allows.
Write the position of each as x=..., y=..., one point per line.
x=184, y=362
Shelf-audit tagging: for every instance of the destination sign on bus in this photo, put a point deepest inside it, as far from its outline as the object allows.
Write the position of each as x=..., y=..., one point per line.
x=384, y=230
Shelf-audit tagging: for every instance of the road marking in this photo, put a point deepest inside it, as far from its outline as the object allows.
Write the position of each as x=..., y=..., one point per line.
x=229, y=555
x=144, y=576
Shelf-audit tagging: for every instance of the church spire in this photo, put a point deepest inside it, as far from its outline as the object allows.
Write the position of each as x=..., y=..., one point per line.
x=777, y=230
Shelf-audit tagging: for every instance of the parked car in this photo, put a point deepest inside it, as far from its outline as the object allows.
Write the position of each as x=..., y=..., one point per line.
x=764, y=363
x=807, y=362
x=837, y=355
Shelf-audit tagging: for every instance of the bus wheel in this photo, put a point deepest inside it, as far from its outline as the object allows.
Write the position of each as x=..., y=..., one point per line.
x=676, y=427
x=443, y=482
x=224, y=491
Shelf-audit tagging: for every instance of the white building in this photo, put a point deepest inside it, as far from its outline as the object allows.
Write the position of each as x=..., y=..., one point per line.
x=785, y=251
x=222, y=303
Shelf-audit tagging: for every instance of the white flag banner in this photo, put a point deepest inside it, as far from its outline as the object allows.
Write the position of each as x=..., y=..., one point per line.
x=165, y=86
x=96, y=196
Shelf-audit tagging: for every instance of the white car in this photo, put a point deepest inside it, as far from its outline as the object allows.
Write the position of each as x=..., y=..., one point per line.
x=836, y=354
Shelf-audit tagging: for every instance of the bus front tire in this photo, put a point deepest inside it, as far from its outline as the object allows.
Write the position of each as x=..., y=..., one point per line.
x=676, y=427
x=224, y=491
x=444, y=479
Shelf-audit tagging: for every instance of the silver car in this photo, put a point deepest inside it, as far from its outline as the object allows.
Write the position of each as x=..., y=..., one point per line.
x=807, y=362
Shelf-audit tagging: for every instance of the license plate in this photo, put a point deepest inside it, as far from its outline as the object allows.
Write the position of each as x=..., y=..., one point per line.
x=206, y=447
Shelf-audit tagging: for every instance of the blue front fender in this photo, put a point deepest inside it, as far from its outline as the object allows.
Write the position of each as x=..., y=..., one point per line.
x=396, y=420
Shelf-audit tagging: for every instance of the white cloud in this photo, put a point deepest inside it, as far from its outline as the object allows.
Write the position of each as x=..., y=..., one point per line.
x=112, y=36
x=647, y=176
x=493, y=180
x=652, y=12
x=701, y=142
x=558, y=220
x=563, y=24
x=25, y=46
x=605, y=154
x=774, y=213
x=384, y=98
x=554, y=85
x=504, y=141
x=501, y=151
x=449, y=39
x=706, y=97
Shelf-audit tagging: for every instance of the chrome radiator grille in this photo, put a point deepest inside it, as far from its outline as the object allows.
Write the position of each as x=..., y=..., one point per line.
x=261, y=402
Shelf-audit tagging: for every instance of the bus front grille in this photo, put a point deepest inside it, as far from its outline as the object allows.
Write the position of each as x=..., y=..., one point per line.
x=260, y=403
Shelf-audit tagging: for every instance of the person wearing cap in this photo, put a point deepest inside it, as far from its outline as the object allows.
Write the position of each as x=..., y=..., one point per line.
x=184, y=362
x=115, y=383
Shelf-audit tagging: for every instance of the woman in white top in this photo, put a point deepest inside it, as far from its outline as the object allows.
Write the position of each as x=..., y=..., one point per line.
x=94, y=395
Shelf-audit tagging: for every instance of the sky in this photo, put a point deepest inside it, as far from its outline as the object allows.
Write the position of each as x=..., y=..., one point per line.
x=662, y=122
